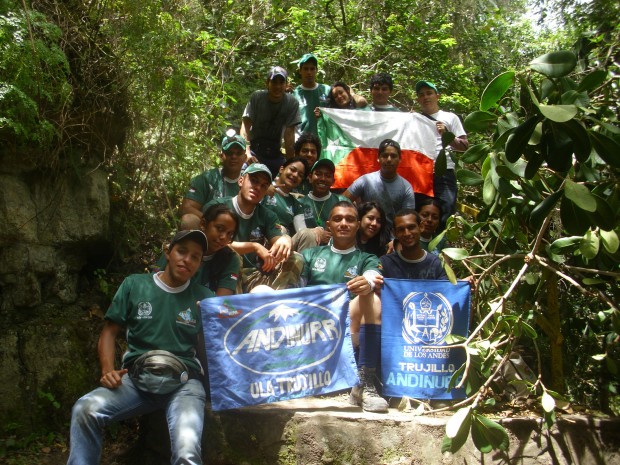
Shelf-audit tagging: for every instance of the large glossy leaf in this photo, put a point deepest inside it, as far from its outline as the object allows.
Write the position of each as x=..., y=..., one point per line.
x=558, y=147
x=555, y=64
x=606, y=147
x=527, y=95
x=488, y=190
x=468, y=178
x=488, y=435
x=610, y=240
x=455, y=253
x=531, y=191
x=534, y=162
x=449, y=272
x=519, y=139
x=592, y=80
x=581, y=140
x=479, y=121
x=536, y=135
x=441, y=163
x=572, y=97
x=453, y=445
x=500, y=142
x=580, y=195
x=589, y=245
x=432, y=245
x=446, y=138
x=558, y=246
x=543, y=209
x=573, y=217
x=558, y=113
x=458, y=422
x=504, y=172
x=548, y=402
x=567, y=83
x=496, y=89
x=604, y=216
x=475, y=153
x=548, y=91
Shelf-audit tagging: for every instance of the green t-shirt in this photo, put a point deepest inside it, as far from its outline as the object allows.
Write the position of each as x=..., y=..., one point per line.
x=157, y=317
x=261, y=226
x=211, y=184
x=286, y=207
x=316, y=212
x=308, y=100
x=326, y=265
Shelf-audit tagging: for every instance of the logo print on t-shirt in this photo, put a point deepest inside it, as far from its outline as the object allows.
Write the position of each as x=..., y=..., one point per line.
x=351, y=272
x=185, y=318
x=144, y=310
x=319, y=265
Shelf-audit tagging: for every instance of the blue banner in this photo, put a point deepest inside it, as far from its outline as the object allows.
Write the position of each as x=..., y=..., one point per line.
x=267, y=347
x=417, y=316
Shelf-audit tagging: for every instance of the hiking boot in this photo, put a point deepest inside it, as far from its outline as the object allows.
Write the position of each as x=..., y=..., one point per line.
x=365, y=393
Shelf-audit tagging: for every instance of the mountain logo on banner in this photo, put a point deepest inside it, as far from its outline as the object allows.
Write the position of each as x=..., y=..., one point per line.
x=265, y=330
x=428, y=318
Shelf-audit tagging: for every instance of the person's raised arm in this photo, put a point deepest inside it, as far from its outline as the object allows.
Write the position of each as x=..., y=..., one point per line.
x=460, y=144
x=106, y=347
x=281, y=247
x=191, y=206
x=242, y=248
x=246, y=125
x=350, y=196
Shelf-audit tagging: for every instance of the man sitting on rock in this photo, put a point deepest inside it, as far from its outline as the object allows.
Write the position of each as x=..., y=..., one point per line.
x=343, y=262
x=155, y=311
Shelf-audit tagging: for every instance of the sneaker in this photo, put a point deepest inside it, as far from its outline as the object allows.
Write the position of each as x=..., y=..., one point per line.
x=365, y=394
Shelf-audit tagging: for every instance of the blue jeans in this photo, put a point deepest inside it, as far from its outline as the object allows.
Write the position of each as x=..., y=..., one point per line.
x=445, y=189
x=184, y=412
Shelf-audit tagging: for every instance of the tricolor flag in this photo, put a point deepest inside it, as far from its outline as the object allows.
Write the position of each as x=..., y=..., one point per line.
x=267, y=347
x=351, y=140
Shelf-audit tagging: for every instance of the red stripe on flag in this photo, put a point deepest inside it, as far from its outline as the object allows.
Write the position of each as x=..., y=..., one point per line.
x=414, y=166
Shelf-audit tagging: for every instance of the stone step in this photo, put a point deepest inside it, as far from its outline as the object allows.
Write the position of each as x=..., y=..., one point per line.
x=320, y=431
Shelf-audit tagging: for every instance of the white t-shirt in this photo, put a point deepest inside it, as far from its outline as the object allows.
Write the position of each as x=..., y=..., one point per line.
x=453, y=123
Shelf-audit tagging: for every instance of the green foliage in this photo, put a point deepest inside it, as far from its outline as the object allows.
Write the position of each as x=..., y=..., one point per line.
x=550, y=204
x=34, y=85
x=146, y=89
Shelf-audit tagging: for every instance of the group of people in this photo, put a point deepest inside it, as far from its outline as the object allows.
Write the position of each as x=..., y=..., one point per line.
x=267, y=217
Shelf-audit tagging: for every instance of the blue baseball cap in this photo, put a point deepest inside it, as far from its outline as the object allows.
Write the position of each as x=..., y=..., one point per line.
x=192, y=234
x=277, y=71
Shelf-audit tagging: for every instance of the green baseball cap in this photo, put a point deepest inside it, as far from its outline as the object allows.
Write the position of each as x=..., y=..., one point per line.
x=257, y=168
x=229, y=141
x=323, y=162
x=421, y=84
x=306, y=58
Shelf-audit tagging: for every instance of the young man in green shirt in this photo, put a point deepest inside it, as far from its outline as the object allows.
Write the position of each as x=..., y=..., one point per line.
x=217, y=183
x=310, y=94
x=259, y=235
x=343, y=262
x=155, y=311
x=317, y=205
